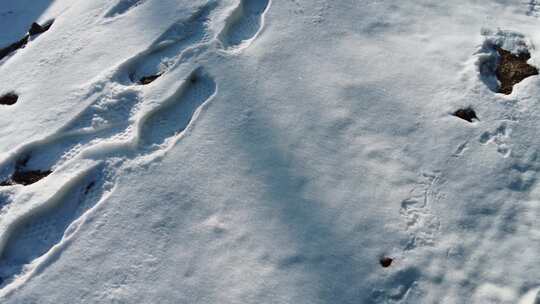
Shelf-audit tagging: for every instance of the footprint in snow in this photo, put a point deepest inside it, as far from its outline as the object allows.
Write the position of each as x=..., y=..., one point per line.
x=244, y=24
x=169, y=48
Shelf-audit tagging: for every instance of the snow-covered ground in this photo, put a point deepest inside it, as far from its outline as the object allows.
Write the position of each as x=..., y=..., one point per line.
x=276, y=152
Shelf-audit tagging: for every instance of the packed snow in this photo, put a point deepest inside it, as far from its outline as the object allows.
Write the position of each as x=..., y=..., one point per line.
x=269, y=151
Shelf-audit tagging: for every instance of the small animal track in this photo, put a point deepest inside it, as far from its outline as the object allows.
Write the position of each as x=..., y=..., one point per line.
x=35, y=29
x=178, y=111
x=533, y=8
x=122, y=7
x=421, y=224
x=35, y=234
x=298, y=8
x=167, y=50
x=460, y=149
x=500, y=138
x=9, y=99
x=396, y=287
x=244, y=24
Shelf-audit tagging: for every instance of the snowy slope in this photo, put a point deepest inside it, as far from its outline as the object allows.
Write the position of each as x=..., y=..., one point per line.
x=277, y=150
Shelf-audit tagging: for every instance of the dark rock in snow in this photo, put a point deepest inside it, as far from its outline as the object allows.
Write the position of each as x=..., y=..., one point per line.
x=9, y=99
x=36, y=29
x=512, y=69
x=386, y=262
x=467, y=114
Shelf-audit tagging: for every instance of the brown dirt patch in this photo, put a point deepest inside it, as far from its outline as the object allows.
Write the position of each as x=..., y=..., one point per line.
x=512, y=69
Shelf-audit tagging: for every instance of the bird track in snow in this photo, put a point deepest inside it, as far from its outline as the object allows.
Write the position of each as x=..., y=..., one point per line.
x=421, y=223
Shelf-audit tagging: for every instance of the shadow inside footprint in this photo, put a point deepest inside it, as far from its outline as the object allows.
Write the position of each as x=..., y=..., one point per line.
x=25, y=178
x=9, y=99
x=38, y=231
x=148, y=79
x=244, y=23
x=177, y=112
x=22, y=176
x=512, y=69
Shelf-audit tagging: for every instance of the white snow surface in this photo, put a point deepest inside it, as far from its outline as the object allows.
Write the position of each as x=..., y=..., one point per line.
x=287, y=146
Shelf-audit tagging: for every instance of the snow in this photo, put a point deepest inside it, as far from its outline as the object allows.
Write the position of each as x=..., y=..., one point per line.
x=284, y=148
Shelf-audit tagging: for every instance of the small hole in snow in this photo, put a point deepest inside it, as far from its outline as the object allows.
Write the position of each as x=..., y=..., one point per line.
x=9, y=99
x=386, y=262
x=467, y=114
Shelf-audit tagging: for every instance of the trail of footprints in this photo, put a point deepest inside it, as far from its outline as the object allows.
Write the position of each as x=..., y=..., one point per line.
x=499, y=137
x=109, y=118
